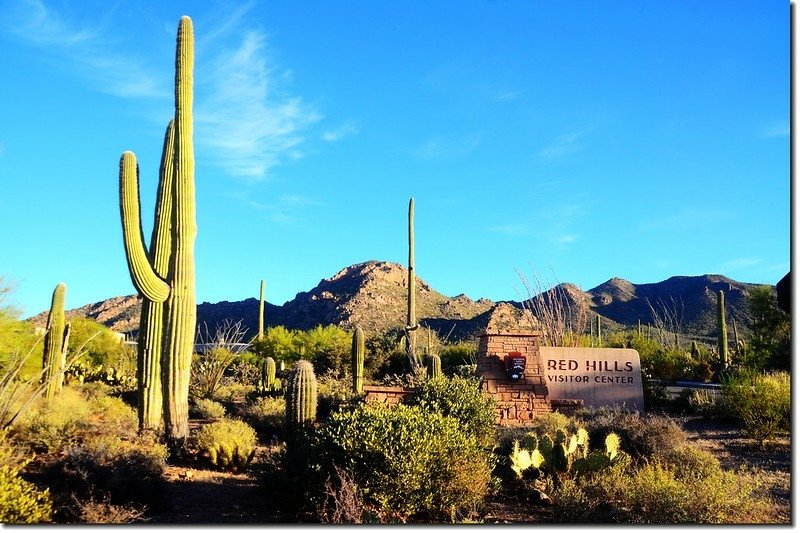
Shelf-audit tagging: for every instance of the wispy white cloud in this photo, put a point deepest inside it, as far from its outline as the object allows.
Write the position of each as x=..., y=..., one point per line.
x=740, y=263
x=349, y=127
x=502, y=96
x=776, y=129
x=438, y=146
x=565, y=145
x=287, y=210
x=246, y=126
x=84, y=50
x=566, y=238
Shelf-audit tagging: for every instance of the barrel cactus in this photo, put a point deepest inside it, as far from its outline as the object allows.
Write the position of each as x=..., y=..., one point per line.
x=357, y=353
x=301, y=396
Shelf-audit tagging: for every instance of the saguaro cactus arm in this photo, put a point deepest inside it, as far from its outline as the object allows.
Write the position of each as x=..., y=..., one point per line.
x=143, y=275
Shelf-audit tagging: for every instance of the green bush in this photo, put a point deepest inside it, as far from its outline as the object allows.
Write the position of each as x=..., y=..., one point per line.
x=641, y=435
x=761, y=401
x=206, y=408
x=550, y=423
x=333, y=393
x=20, y=501
x=266, y=415
x=462, y=399
x=697, y=492
x=227, y=444
x=49, y=427
x=114, y=469
x=409, y=463
x=207, y=371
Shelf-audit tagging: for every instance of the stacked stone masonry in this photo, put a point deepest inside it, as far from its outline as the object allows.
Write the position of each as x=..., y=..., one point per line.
x=385, y=394
x=518, y=402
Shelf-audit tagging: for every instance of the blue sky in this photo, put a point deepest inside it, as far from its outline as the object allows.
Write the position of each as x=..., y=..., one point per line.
x=584, y=139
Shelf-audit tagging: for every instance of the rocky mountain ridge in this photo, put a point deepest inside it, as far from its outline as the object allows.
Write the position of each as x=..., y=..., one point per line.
x=373, y=295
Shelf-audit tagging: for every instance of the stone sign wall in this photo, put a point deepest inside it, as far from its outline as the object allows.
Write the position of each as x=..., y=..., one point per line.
x=518, y=402
x=598, y=376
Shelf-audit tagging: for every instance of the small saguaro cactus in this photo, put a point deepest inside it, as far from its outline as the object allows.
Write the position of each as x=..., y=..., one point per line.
x=267, y=382
x=301, y=396
x=411, y=315
x=599, y=338
x=261, y=312
x=434, y=366
x=722, y=331
x=357, y=352
x=166, y=274
x=695, y=351
x=55, y=343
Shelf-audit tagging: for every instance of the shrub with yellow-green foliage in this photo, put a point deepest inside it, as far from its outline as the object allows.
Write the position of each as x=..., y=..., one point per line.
x=49, y=427
x=227, y=444
x=762, y=402
x=207, y=408
x=688, y=488
x=20, y=501
x=266, y=415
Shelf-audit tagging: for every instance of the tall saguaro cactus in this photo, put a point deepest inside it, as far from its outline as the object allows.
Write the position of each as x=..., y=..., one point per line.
x=357, y=353
x=166, y=276
x=722, y=331
x=261, y=312
x=411, y=317
x=55, y=343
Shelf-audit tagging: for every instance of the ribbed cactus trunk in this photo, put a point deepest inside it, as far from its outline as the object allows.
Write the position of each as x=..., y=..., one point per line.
x=55, y=343
x=411, y=317
x=599, y=339
x=722, y=331
x=695, y=351
x=301, y=396
x=357, y=352
x=434, y=366
x=166, y=276
x=261, y=312
x=268, y=374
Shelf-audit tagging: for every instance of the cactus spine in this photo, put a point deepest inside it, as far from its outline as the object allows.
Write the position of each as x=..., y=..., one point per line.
x=301, y=400
x=722, y=329
x=173, y=245
x=261, y=312
x=55, y=343
x=434, y=366
x=357, y=352
x=411, y=320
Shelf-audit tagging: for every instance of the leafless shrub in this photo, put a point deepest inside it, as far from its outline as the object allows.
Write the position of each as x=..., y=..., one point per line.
x=217, y=354
x=667, y=319
x=92, y=511
x=553, y=311
x=343, y=503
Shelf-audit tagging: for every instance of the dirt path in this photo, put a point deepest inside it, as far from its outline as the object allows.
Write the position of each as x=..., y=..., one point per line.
x=198, y=496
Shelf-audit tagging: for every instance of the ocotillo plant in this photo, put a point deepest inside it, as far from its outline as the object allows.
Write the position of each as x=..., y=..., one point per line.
x=55, y=343
x=173, y=286
x=261, y=312
x=722, y=331
x=411, y=317
x=434, y=366
x=357, y=353
x=301, y=396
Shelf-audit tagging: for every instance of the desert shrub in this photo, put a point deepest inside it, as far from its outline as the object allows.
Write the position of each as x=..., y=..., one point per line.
x=640, y=435
x=92, y=511
x=462, y=399
x=227, y=444
x=115, y=470
x=656, y=492
x=20, y=501
x=266, y=415
x=761, y=401
x=49, y=427
x=343, y=503
x=333, y=392
x=409, y=463
x=689, y=461
x=457, y=354
x=205, y=408
x=550, y=423
x=708, y=404
x=207, y=371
